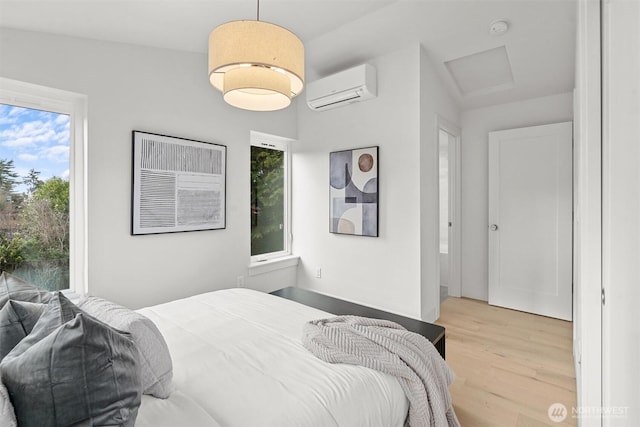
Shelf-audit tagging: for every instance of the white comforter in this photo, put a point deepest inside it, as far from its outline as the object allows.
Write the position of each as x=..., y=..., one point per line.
x=238, y=361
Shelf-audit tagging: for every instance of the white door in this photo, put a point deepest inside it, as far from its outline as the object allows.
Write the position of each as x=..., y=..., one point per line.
x=530, y=214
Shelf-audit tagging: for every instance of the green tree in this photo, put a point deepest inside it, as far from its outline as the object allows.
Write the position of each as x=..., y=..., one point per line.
x=10, y=201
x=56, y=191
x=11, y=252
x=8, y=176
x=46, y=219
x=32, y=181
x=45, y=225
x=267, y=200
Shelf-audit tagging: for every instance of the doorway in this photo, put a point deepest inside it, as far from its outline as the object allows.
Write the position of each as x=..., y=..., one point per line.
x=449, y=208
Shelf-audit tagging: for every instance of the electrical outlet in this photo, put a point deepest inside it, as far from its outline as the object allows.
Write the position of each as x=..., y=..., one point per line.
x=318, y=273
x=240, y=281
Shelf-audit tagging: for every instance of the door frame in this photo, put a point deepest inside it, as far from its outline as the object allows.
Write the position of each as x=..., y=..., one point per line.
x=454, y=286
x=587, y=339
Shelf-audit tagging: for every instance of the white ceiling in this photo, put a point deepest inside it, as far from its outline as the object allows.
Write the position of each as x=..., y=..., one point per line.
x=540, y=43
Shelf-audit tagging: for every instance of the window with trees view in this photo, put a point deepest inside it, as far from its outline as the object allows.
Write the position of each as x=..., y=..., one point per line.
x=269, y=197
x=34, y=195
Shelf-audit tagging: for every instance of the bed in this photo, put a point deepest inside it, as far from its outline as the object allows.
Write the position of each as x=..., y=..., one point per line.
x=238, y=360
x=234, y=357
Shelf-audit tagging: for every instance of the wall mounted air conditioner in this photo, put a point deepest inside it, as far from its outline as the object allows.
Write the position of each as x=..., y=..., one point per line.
x=346, y=87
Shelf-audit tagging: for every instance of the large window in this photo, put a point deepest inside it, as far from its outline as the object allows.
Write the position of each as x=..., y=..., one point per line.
x=42, y=186
x=269, y=197
x=34, y=195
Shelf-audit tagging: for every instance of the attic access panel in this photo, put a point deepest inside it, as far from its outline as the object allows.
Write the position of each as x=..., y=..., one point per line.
x=482, y=72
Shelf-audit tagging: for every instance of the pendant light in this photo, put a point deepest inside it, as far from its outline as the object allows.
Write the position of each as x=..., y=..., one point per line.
x=256, y=65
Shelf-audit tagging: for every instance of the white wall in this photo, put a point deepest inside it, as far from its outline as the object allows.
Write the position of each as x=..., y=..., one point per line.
x=386, y=271
x=621, y=211
x=161, y=91
x=476, y=124
x=435, y=104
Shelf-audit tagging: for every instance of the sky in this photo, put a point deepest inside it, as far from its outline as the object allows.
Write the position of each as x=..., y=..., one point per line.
x=35, y=139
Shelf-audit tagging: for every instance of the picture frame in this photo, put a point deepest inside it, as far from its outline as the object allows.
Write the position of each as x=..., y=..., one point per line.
x=178, y=184
x=353, y=191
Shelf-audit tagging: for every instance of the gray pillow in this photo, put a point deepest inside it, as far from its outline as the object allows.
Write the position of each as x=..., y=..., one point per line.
x=58, y=311
x=12, y=287
x=84, y=373
x=17, y=319
x=7, y=414
x=155, y=359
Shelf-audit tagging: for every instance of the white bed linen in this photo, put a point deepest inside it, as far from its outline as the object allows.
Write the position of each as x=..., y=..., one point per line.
x=238, y=361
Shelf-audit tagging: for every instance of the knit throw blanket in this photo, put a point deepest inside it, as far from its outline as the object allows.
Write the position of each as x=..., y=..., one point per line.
x=387, y=347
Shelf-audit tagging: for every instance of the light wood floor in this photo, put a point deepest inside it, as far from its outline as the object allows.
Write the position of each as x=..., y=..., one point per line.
x=510, y=366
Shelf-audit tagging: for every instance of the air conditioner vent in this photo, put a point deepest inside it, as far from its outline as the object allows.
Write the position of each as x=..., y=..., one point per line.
x=349, y=86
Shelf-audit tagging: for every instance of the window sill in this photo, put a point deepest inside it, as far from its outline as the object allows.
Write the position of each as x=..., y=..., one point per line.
x=72, y=296
x=261, y=267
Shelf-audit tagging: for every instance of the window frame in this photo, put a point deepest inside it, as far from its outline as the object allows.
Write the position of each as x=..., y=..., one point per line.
x=27, y=95
x=259, y=139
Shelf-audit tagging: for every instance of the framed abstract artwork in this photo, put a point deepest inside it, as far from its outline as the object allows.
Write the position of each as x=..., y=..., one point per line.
x=178, y=184
x=353, y=192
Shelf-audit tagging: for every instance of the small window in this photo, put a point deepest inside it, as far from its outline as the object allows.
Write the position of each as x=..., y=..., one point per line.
x=270, y=171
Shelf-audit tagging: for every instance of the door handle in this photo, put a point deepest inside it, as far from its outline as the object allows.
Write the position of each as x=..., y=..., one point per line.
x=493, y=227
